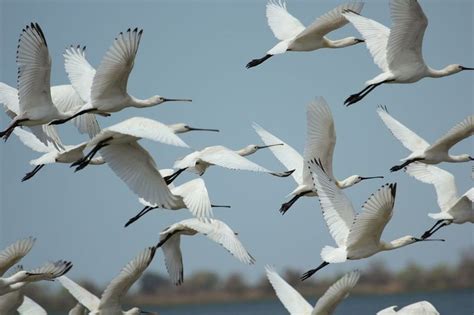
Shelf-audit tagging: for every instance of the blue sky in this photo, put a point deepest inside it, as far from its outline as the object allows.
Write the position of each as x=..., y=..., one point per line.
x=198, y=49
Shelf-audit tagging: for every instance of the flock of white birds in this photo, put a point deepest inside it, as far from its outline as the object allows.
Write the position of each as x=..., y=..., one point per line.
x=38, y=106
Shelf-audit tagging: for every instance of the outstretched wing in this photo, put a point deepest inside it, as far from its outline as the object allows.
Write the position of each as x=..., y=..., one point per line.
x=289, y=297
x=283, y=24
x=134, y=165
x=49, y=271
x=370, y=223
x=9, y=99
x=32, y=142
x=222, y=234
x=459, y=132
x=288, y=156
x=195, y=197
x=14, y=253
x=443, y=182
x=30, y=307
x=321, y=136
x=338, y=211
x=173, y=258
x=336, y=293
x=405, y=42
x=328, y=22
x=34, y=71
x=408, y=138
x=112, y=75
x=224, y=157
x=83, y=296
x=375, y=35
x=79, y=71
x=120, y=285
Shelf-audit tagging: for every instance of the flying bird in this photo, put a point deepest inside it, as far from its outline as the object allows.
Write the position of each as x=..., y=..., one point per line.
x=294, y=36
x=418, y=308
x=199, y=161
x=454, y=208
x=356, y=235
x=192, y=195
x=36, y=105
x=320, y=142
x=215, y=230
x=105, y=90
x=111, y=299
x=327, y=303
x=397, y=51
x=421, y=150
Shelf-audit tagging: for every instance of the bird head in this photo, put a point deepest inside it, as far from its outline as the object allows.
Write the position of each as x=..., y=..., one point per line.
x=182, y=128
x=157, y=99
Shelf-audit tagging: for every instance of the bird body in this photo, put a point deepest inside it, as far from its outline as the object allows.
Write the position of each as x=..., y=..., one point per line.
x=320, y=143
x=215, y=230
x=397, y=51
x=357, y=236
x=421, y=150
x=327, y=303
x=294, y=36
x=110, y=302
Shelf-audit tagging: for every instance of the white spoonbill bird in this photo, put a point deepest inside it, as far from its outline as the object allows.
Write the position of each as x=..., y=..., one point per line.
x=397, y=51
x=421, y=150
x=199, y=161
x=110, y=302
x=320, y=142
x=119, y=148
x=217, y=231
x=297, y=305
x=294, y=36
x=192, y=195
x=105, y=90
x=49, y=271
x=35, y=104
x=356, y=235
x=418, y=308
x=454, y=208
x=51, y=153
x=30, y=307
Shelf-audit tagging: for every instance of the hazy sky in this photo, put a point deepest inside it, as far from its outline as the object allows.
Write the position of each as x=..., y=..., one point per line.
x=199, y=49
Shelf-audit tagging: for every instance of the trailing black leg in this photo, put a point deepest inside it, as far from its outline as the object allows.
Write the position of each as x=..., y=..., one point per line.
x=32, y=173
x=62, y=121
x=404, y=164
x=140, y=214
x=430, y=232
x=287, y=205
x=256, y=62
x=354, y=98
x=7, y=132
x=81, y=163
x=170, y=178
x=311, y=272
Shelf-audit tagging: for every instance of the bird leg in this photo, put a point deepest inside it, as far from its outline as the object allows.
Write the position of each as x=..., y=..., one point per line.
x=282, y=174
x=311, y=272
x=170, y=178
x=287, y=205
x=139, y=215
x=220, y=206
x=405, y=164
x=7, y=132
x=81, y=163
x=431, y=231
x=256, y=62
x=32, y=173
x=354, y=98
x=62, y=121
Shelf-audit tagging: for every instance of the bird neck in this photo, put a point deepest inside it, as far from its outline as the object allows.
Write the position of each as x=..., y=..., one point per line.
x=399, y=242
x=347, y=182
x=459, y=158
x=435, y=73
x=339, y=43
x=139, y=103
x=245, y=151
